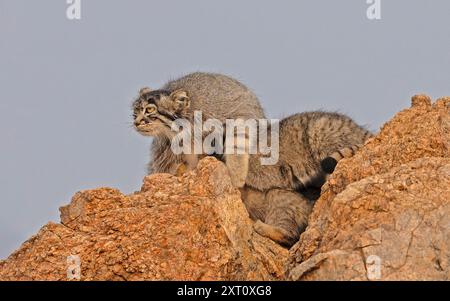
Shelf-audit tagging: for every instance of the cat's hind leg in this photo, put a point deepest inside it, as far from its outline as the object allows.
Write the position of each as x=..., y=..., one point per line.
x=286, y=217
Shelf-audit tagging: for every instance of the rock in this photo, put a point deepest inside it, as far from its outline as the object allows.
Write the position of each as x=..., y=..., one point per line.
x=190, y=228
x=384, y=216
x=386, y=213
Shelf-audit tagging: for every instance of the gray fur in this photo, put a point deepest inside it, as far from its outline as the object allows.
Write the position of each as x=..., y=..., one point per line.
x=217, y=96
x=272, y=192
x=305, y=140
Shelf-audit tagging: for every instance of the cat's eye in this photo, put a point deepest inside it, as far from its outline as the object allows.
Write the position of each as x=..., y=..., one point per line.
x=150, y=110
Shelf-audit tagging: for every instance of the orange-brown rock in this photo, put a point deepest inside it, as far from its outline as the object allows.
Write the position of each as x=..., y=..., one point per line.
x=190, y=228
x=386, y=214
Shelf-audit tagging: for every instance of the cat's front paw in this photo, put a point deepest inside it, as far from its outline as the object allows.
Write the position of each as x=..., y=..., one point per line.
x=260, y=228
x=277, y=234
x=237, y=181
x=237, y=166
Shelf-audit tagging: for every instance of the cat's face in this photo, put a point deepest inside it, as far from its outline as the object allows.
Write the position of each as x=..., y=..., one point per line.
x=154, y=111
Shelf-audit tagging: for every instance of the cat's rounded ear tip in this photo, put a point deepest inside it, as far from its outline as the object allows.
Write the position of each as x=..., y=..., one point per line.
x=179, y=93
x=328, y=164
x=144, y=90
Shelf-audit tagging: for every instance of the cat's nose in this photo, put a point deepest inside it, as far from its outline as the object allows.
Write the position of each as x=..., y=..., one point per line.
x=139, y=122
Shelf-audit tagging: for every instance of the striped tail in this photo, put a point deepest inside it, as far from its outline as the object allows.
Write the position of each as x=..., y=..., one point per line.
x=329, y=163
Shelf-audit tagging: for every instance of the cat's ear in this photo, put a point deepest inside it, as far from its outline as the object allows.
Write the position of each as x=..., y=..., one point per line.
x=181, y=98
x=144, y=90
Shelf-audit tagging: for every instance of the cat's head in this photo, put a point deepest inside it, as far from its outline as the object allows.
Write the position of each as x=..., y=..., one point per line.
x=154, y=111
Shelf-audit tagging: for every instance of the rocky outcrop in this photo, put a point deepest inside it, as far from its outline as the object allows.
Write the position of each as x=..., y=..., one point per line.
x=190, y=228
x=386, y=214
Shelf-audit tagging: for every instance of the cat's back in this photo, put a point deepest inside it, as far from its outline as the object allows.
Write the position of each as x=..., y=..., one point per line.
x=319, y=125
x=218, y=95
x=204, y=84
x=317, y=134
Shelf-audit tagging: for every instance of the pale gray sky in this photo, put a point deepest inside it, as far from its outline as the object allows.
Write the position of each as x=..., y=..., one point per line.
x=66, y=86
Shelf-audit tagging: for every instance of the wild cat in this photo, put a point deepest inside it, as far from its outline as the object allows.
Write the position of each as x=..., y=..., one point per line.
x=215, y=95
x=310, y=145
